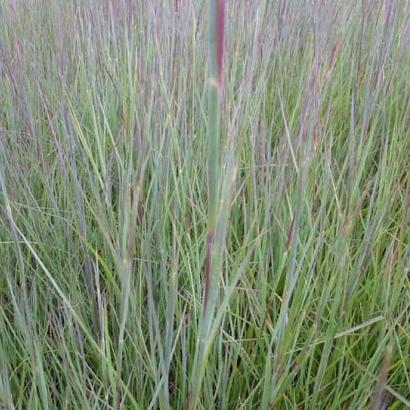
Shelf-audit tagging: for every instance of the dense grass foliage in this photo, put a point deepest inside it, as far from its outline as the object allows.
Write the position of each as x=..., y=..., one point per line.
x=176, y=236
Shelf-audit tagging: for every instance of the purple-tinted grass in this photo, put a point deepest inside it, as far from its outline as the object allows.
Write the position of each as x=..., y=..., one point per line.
x=220, y=37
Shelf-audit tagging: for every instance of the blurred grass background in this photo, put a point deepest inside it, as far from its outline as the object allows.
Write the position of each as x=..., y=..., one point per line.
x=104, y=148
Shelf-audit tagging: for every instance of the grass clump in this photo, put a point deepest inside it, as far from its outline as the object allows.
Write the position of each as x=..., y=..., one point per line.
x=175, y=236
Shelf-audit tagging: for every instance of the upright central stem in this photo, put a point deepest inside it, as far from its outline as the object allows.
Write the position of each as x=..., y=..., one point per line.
x=212, y=258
